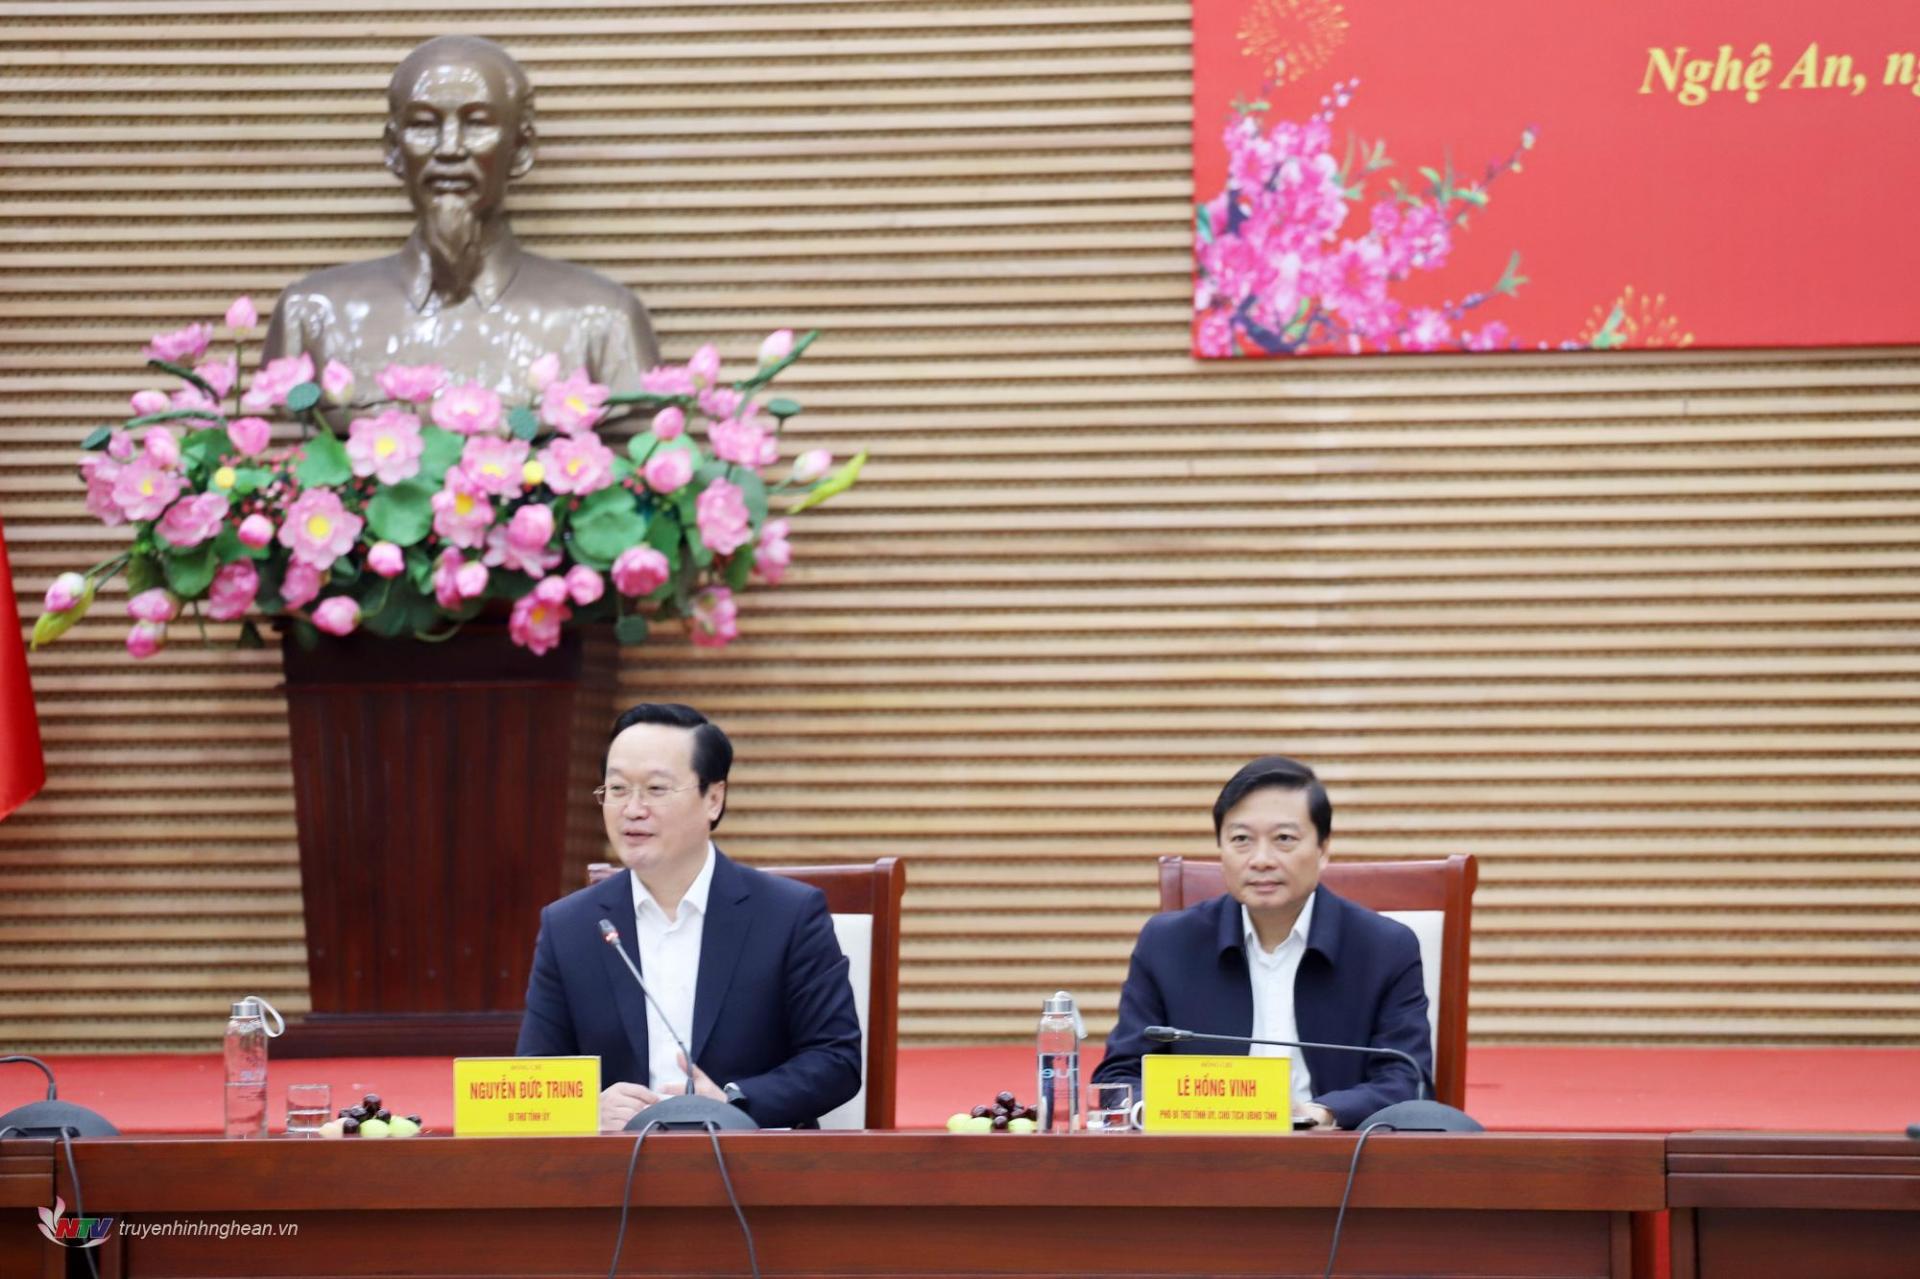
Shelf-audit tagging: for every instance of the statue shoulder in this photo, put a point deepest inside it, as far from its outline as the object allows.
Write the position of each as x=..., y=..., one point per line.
x=347, y=280
x=588, y=286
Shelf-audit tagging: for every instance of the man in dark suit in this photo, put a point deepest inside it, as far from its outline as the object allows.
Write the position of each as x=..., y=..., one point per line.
x=743, y=964
x=1278, y=956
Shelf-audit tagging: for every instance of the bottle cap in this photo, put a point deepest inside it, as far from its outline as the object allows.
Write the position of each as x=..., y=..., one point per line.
x=1061, y=1001
x=257, y=1006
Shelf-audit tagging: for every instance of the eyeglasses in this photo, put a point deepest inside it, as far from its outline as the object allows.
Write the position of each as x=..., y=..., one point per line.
x=618, y=793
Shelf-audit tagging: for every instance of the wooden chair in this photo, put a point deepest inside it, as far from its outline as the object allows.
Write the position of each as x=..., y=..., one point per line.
x=1433, y=897
x=865, y=901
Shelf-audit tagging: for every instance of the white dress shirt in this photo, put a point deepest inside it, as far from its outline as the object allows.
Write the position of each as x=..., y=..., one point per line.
x=670, y=965
x=1273, y=972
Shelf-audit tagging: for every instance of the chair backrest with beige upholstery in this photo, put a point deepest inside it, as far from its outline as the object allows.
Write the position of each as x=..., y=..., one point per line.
x=864, y=899
x=1433, y=897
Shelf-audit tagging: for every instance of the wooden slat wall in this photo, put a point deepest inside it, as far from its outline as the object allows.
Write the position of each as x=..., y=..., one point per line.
x=1639, y=631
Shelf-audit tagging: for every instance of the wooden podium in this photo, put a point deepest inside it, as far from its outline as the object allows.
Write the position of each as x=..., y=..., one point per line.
x=443, y=796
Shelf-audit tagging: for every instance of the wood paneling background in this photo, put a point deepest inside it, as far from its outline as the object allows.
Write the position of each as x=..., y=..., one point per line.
x=1639, y=631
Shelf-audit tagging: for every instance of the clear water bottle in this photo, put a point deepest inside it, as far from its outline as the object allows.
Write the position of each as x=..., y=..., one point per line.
x=247, y=1036
x=1057, y=1046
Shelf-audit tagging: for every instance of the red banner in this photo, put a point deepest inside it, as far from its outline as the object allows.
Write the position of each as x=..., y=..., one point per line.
x=23, y=770
x=1449, y=175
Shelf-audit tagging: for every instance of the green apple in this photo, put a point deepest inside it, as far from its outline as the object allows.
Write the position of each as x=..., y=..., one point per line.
x=978, y=1123
x=1022, y=1125
x=375, y=1128
x=958, y=1122
x=401, y=1126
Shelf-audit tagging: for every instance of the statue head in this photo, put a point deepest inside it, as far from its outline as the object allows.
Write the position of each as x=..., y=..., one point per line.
x=459, y=129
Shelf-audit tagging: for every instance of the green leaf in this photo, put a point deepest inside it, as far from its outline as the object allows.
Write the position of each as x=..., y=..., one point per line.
x=201, y=448
x=1202, y=224
x=227, y=546
x=250, y=636
x=834, y=485
x=698, y=551
x=523, y=422
x=613, y=497
x=303, y=397
x=631, y=629
x=507, y=584
x=420, y=569
x=250, y=479
x=442, y=451
x=622, y=470
x=663, y=535
x=143, y=574
x=739, y=567
x=782, y=408
x=402, y=513
x=189, y=573
x=326, y=464
x=599, y=536
x=753, y=491
x=186, y=373
x=97, y=438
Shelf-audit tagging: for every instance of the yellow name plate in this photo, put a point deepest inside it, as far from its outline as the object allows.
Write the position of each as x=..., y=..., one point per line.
x=1216, y=1094
x=526, y=1096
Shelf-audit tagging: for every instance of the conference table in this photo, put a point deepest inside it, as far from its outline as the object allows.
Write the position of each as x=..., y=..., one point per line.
x=857, y=1203
x=898, y=1203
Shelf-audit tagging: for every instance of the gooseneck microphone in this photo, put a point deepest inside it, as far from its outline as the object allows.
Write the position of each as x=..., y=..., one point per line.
x=1174, y=1035
x=684, y=1110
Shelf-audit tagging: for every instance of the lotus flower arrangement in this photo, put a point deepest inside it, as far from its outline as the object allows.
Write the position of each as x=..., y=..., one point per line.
x=438, y=498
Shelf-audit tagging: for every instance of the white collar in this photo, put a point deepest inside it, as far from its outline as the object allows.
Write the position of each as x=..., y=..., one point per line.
x=695, y=896
x=1301, y=926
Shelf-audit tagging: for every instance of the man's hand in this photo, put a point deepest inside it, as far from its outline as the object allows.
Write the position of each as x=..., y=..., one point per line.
x=1321, y=1116
x=621, y=1102
x=702, y=1085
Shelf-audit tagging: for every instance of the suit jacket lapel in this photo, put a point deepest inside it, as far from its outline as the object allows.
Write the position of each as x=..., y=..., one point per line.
x=722, y=937
x=615, y=900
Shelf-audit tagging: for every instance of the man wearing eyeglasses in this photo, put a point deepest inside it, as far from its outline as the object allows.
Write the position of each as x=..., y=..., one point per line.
x=743, y=964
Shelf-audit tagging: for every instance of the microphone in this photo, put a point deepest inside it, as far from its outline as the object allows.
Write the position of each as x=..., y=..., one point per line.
x=52, y=1117
x=684, y=1110
x=1174, y=1035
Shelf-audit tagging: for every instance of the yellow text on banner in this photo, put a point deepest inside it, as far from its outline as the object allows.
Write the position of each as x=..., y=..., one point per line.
x=1216, y=1094
x=526, y=1096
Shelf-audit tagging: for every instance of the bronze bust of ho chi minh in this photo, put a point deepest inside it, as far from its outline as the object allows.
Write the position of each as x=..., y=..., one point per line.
x=462, y=293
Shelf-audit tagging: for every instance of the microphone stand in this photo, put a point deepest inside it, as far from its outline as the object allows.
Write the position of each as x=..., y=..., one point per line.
x=686, y=1111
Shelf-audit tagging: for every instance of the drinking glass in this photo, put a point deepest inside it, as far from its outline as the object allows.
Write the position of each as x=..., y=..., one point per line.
x=1109, y=1106
x=308, y=1106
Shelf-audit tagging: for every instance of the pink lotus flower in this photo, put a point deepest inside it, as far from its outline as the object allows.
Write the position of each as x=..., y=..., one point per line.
x=250, y=435
x=777, y=347
x=145, y=402
x=318, y=529
x=743, y=442
x=550, y=590
x=670, y=423
x=704, y=367
x=337, y=615
x=720, y=401
x=521, y=544
x=146, y=639
x=120, y=446
x=668, y=471
x=471, y=579
x=67, y=590
x=667, y=379
x=218, y=374
x=156, y=605
x=161, y=447
x=493, y=465
x=535, y=624
x=811, y=465
x=578, y=464
x=721, y=513
x=182, y=346
x=143, y=488
x=300, y=584
x=446, y=585
x=103, y=477
x=572, y=404
x=386, y=559
x=542, y=371
x=773, y=555
x=241, y=314
x=233, y=591
x=192, y=520
x=256, y=531
x=336, y=382
x=460, y=515
x=468, y=409
x=412, y=383
x=386, y=446
x=640, y=570
x=584, y=585
x=192, y=397
x=271, y=383
x=715, y=620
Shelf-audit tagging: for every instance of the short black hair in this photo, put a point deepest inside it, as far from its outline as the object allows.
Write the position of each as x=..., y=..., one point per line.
x=712, y=750
x=1276, y=772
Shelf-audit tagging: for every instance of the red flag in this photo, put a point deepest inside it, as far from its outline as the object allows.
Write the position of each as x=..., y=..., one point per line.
x=23, y=769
